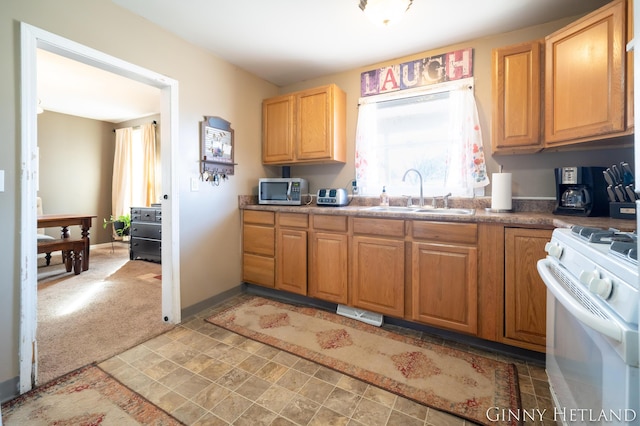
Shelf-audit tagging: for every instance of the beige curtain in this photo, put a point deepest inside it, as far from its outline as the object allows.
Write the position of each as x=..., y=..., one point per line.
x=150, y=164
x=121, y=182
x=136, y=166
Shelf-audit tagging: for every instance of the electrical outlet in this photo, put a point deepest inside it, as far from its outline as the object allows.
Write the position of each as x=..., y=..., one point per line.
x=195, y=184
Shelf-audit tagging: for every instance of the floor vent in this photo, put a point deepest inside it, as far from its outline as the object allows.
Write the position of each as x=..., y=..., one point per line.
x=360, y=315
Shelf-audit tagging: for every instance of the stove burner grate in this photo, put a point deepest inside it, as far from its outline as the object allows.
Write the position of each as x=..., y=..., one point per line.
x=626, y=250
x=602, y=236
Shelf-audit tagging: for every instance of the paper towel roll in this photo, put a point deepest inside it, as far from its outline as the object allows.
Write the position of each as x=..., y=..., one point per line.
x=501, y=191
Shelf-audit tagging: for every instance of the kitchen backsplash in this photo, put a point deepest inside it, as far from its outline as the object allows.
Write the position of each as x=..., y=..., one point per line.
x=519, y=205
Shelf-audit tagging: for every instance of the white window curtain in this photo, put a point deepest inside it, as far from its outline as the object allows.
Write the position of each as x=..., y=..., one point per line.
x=122, y=169
x=460, y=164
x=150, y=164
x=467, y=157
x=135, y=169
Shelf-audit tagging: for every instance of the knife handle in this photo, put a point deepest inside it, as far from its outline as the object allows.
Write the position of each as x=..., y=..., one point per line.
x=620, y=193
x=630, y=193
x=616, y=173
x=608, y=177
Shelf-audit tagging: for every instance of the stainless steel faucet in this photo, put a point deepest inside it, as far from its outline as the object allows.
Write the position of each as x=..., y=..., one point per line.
x=446, y=200
x=421, y=196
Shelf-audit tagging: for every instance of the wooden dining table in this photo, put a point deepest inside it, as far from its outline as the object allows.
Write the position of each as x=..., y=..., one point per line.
x=64, y=221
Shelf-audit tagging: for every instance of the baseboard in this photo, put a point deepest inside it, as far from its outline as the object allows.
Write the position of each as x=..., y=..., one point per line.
x=9, y=389
x=212, y=301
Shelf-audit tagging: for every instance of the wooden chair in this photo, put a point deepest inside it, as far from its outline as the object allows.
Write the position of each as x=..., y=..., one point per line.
x=41, y=235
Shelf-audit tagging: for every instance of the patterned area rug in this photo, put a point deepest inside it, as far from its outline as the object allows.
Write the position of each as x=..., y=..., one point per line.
x=461, y=383
x=87, y=396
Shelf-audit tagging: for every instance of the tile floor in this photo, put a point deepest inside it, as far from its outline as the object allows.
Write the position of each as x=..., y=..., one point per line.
x=205, y=375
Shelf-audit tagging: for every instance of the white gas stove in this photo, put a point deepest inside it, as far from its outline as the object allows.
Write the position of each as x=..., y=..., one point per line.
x=605, y=262
x=591, y=276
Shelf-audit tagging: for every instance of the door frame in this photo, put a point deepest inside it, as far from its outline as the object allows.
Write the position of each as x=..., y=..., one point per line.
x=32, y=38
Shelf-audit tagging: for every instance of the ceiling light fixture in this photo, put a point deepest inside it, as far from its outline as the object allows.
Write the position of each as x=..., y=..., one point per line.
x=39, y=108
x=385, y=12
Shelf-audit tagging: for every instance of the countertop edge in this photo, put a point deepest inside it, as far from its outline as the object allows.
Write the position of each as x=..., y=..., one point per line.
x=530, y=219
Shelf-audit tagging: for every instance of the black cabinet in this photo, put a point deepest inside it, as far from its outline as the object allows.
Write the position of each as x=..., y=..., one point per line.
x=146, y=233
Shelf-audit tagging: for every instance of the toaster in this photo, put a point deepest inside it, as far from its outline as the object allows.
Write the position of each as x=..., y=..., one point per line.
x=332, y=197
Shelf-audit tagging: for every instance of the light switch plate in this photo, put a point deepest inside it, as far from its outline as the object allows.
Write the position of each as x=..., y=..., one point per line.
x=1, y=180
x=195, y=185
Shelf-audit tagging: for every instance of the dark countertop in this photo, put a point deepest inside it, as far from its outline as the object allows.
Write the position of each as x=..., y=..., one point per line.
x=536, y=214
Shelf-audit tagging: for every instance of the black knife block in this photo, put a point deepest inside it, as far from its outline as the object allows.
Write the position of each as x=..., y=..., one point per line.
x=620, y=210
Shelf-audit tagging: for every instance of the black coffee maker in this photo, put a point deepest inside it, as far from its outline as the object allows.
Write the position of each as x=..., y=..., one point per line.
x=581, y=191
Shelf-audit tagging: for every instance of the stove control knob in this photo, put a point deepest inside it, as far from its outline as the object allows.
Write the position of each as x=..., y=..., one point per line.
x=601, y=286
x=596, y=285
x=587, y=276
x=553, y=249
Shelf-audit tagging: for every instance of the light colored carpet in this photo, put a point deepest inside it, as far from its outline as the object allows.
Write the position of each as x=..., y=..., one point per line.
x=104, y=311
x=462, y=383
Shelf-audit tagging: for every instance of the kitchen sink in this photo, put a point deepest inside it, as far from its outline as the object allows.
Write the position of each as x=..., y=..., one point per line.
x=447, y=211
x=398, y=209
x=421, y=210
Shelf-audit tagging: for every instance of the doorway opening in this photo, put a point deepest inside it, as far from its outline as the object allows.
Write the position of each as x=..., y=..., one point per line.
x=33, y=38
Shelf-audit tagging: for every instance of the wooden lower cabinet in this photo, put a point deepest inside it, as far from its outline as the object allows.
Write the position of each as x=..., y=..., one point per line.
x=328, y=271
x=292, y=261
x=258, y=248
x=329, y=258
x=434, y=269
x=525, y=295
x=445, y=286
x=291, y=254
x=378, y=275
x=444, y=275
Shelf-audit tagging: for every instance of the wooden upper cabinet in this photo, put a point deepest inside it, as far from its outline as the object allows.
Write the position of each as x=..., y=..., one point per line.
x=517, y=94
x=305, y=127
x=585, y=93
x=277, y=129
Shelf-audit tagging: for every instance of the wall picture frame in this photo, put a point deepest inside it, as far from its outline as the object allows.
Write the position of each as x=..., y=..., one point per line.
x=217, y=145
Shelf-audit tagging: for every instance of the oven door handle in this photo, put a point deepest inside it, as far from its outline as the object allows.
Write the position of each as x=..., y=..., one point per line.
x=601, y=325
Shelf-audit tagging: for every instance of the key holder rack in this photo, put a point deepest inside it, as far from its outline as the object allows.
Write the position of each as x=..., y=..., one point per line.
x=213, y=174
x=217, y=150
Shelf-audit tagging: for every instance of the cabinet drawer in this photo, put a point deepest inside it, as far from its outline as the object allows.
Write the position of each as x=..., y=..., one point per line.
x=293, y=220
x=146, y=215
x=259, y=240
x=380, y=227
x=464, y=233
x=330, y=223
x=264, y=218
x=141, y=245
x=146, y=230
x=259, y=270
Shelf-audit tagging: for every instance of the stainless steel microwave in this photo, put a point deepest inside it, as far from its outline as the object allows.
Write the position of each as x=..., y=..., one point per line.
x=284, y=191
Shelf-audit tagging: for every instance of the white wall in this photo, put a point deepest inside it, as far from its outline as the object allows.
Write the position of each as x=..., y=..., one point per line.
x=209, y=218
x=76, y=164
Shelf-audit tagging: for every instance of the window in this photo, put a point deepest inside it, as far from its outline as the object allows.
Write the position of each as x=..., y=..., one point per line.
x=434, y=131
